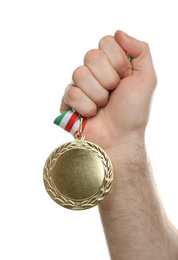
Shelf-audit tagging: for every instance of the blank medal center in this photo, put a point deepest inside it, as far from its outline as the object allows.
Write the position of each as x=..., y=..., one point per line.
x=78, y=174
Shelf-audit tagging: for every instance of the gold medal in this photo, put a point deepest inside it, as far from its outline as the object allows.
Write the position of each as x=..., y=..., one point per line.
x=79, y=174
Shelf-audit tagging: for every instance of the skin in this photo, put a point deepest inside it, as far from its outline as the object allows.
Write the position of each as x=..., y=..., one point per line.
x=115, y=95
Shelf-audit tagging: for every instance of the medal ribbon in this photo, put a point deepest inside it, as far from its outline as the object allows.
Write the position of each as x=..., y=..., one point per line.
x=70, y=119
x=128, y=56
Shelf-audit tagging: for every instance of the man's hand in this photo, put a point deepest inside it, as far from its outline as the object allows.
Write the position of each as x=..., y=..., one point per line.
x=123, y=115
x=115, y=94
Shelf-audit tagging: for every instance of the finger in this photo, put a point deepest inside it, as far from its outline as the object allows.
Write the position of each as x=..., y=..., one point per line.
x=101, y=68
x=64, y=107
x=141, y=57
x=79, y=101
x=83, y=79
x=116, y=55
x=138, y=50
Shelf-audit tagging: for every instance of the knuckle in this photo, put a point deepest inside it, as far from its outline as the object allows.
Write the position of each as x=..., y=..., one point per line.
x=113, y=84
x=119, y=63
x=105, y=40
x=145, y=47
x=127, y=71
x=91, y=111
x=103, y=99
x=79, y=73
x=123, y=67
x=72, y=94
x=93, y=54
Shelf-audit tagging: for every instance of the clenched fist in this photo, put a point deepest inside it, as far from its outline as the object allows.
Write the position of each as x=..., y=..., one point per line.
x=112, y=92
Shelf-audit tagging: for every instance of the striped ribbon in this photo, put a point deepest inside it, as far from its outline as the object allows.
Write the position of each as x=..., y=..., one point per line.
x=128, y=56
x=70, y=121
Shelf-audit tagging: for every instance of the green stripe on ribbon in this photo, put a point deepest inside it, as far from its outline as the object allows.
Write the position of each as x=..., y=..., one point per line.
x=59, y=118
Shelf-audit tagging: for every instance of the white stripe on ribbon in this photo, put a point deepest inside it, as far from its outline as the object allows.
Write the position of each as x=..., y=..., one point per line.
x=65, y=119
x=75, y=127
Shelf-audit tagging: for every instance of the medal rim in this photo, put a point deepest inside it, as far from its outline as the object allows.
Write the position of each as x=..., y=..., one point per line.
x=78, y=204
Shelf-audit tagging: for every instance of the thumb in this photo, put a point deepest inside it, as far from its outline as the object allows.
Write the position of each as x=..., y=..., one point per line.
x=138, y=50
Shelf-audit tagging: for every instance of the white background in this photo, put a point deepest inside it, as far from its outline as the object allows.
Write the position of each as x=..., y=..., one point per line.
x=41, y=43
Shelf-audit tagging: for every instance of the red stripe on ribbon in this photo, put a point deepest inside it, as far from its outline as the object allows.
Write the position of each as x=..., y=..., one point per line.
x=126, y=52
x=84, y=123
x=71, y=122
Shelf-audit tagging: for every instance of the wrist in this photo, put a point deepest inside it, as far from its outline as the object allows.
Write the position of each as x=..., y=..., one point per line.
x=129, y=152
x=130, y=163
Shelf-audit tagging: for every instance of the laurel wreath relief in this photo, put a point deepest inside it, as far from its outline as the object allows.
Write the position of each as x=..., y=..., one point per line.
x=78, y=204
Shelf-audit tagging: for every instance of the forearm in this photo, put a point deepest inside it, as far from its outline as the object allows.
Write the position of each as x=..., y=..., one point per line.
x=134, y=221
x=133, y=218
